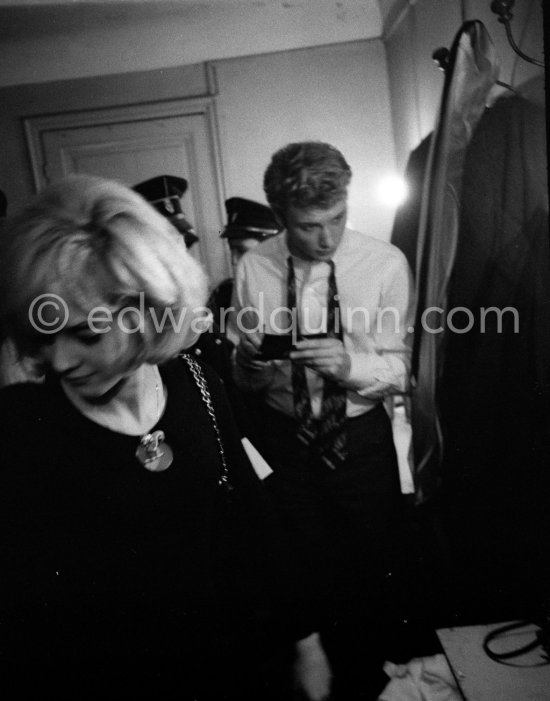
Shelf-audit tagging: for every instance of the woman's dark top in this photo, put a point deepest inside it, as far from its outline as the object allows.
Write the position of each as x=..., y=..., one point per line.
x=116, y=573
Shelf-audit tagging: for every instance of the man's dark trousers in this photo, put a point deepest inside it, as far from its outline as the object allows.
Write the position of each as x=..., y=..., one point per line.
x=343, y=527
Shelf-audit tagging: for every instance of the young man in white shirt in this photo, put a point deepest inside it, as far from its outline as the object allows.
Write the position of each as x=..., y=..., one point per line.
x=341, y=301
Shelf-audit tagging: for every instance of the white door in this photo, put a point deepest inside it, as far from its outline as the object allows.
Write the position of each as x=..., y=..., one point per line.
x=135, y=144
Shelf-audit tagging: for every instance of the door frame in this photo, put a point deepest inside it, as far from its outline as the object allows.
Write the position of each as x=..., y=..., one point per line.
x=36, y=127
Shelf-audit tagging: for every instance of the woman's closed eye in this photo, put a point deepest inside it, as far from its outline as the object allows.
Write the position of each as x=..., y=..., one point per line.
x=85, y=334
x=88, y=338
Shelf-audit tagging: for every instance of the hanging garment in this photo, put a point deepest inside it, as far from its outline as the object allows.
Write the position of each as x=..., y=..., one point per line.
x=472, y=72
x=502, y=261
x=495, y=385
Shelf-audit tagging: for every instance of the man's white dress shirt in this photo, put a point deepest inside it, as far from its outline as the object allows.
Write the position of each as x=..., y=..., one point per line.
x=376, y=301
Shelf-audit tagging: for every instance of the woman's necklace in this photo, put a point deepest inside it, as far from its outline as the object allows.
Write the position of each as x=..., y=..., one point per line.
x=152, y=452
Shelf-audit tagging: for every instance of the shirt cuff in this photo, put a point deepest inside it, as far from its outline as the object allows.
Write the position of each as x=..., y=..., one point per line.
x=373, y=376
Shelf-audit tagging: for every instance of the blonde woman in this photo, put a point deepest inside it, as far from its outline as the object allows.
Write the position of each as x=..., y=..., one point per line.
x=114, y=470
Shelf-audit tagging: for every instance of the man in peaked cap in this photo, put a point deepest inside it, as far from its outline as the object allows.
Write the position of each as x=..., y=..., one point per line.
x=248, y=224
x=164, y=192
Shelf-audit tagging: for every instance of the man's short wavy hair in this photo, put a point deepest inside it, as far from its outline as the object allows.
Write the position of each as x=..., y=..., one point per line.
x=306, y=174
x=96, y=242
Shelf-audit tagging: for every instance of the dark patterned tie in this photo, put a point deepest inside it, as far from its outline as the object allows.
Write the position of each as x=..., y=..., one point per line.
x=302, y=404
x=326, y=436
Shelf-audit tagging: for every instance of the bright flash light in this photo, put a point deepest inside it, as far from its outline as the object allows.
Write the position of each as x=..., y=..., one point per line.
x=392, y=190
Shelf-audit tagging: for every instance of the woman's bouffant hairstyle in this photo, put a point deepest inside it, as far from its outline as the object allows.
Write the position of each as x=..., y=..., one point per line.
x=96, y=242
x=306, y=174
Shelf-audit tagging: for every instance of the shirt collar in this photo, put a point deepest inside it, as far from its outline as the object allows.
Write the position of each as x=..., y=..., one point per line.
x=299, y=262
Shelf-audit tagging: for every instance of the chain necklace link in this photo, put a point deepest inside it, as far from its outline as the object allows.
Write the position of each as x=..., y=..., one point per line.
x=197, y=373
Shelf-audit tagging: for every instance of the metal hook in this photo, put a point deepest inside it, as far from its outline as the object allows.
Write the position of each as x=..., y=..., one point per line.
x=503, y=8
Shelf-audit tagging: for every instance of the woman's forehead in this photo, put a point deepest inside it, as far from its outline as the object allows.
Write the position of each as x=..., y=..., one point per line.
x=81, y=295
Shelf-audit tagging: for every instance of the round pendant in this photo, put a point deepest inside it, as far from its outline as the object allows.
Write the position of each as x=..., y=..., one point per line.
x=153, y=453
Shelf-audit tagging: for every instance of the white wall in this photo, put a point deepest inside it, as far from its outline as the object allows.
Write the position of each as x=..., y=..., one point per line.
x=39, y=44
x=337, y=94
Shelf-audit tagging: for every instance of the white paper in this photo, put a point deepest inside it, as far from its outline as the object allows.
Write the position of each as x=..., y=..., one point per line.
x=261, y=468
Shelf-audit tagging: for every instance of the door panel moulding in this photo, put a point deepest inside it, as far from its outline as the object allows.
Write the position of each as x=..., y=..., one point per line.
x=37, y=126
x=44, y=135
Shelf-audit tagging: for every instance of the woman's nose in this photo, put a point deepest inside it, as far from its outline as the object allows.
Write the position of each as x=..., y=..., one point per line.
x=61, y=354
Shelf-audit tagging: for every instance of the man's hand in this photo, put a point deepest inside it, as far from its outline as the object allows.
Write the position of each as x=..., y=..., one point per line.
x=326, y=356
x=248, y=349
x=312, y=673
x=251, y=375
